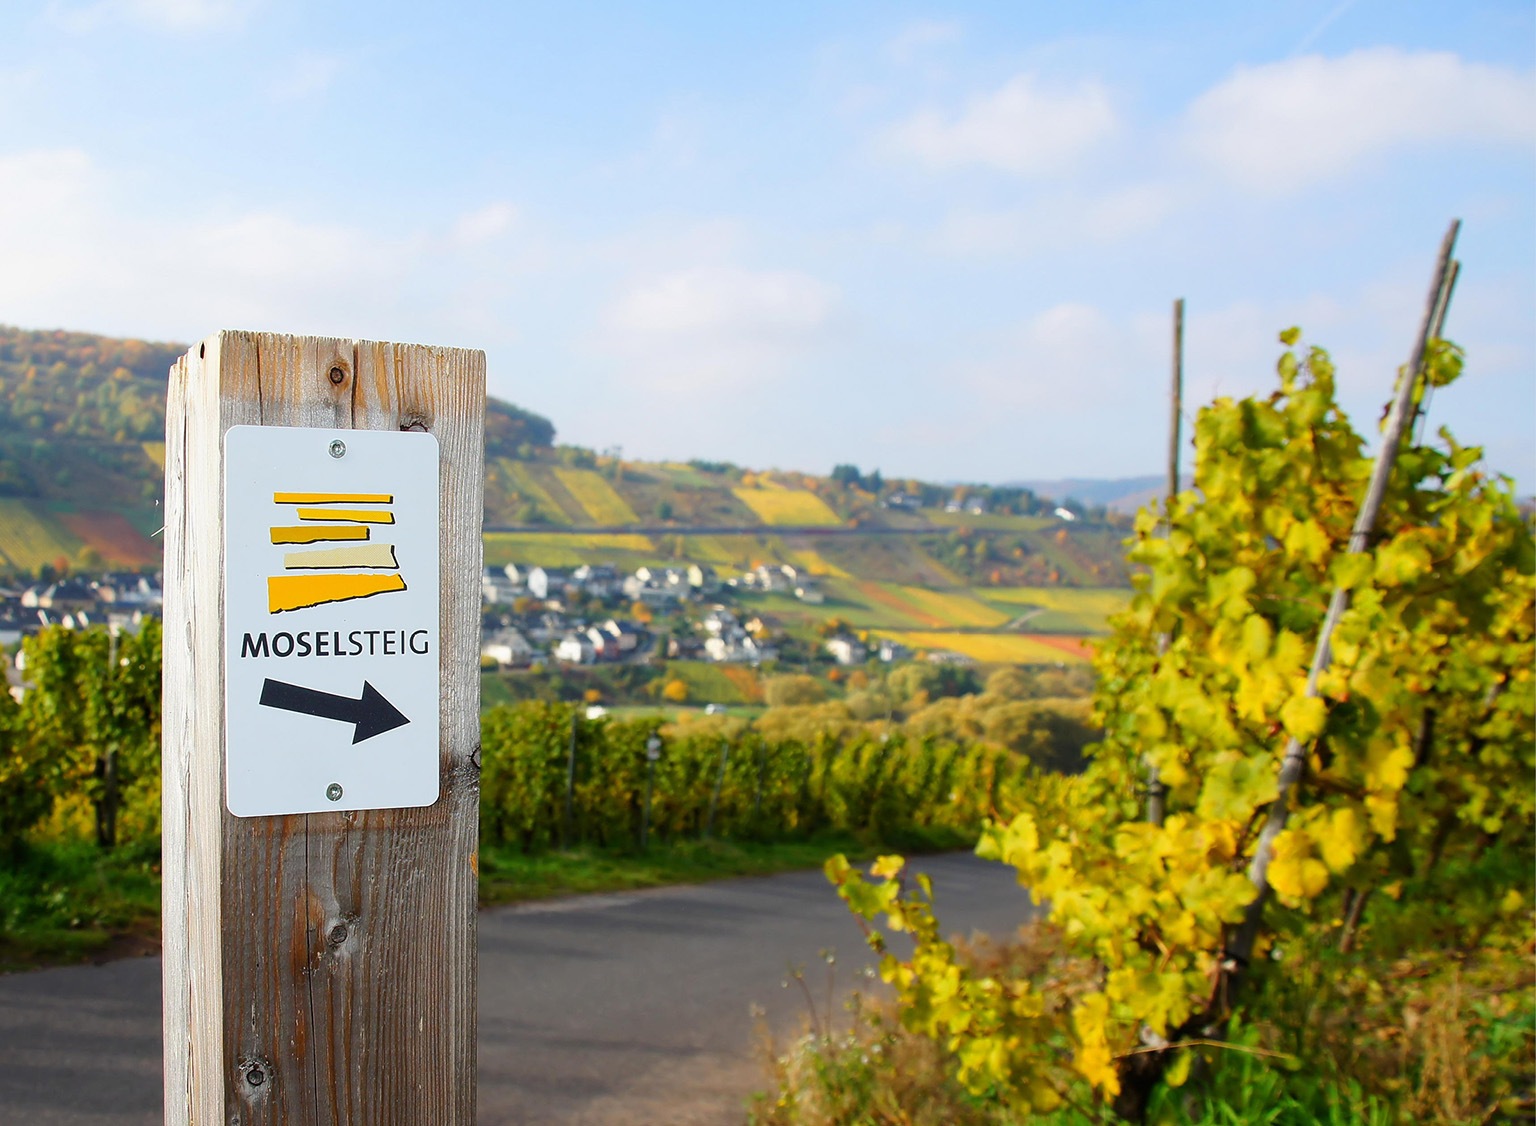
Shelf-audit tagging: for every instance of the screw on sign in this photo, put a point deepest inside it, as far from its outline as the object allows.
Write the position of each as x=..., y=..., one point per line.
x=332, y=620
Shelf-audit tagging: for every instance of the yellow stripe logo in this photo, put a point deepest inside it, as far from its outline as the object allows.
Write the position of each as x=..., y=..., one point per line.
x=333, y=574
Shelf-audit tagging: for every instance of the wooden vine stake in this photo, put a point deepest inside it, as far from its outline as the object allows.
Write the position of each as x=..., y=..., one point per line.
x=1293, y=765
x=320, y=956
x=1157, y=793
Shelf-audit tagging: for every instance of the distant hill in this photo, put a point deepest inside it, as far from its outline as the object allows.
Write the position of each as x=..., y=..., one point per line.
x=82, y=458
x=1118, y=494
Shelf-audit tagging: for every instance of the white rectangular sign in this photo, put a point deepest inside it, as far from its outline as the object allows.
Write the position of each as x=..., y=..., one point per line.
x=330, y=619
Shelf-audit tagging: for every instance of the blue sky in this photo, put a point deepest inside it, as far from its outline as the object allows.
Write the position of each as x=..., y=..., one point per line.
x=940, y=240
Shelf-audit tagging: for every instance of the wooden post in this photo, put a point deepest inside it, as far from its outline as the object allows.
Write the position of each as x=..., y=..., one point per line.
x=319, y=968
x=1293, y=764
x=1156, y=791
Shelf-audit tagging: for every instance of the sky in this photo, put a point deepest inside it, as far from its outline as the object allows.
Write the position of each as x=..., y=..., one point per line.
x=941, y=240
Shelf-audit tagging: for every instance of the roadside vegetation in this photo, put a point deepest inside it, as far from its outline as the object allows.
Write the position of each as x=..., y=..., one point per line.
x=1227, y=942
x=810, y=777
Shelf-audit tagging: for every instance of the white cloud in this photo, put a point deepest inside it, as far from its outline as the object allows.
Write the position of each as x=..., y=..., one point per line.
x=305, y=75
x=1286, y=125
x=484, y=225
x=1022, y=128
x=70, y=256
x=719, y=326
x=161, y=15
x=1069, y=358
x=1056, y=222
x=918, y=36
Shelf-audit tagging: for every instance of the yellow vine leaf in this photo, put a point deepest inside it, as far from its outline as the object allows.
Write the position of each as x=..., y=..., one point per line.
x=1295, y=873
x=1094, y=1059
x=1341, y=838
x=1304, y=717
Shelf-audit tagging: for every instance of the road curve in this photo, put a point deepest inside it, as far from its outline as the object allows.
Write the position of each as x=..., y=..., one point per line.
x=602, y=1010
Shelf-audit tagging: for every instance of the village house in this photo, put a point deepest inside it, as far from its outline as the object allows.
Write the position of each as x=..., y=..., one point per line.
x=575, y=649
x=64, y=597
x=846, y=650
x=738, y=646
x=702, y=578
x=597, y=581
x=508, y=648
x=496, y=589
x=718, y=620
x=127, y=589
x=546, y=583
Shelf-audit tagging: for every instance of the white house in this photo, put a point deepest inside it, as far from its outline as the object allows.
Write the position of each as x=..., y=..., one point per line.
x=544, y=584
x=600, y=581
x=772, y=578
x=496, y=589
x=738, y=647
x=808, y=591
x=574, y=649
x=847, y=650
x=702, y=578
x=950, y=657
x=719, y=620
x=508, y=648
x=625, y=634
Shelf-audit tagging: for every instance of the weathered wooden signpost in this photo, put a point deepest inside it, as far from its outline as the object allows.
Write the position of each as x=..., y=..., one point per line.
x=321, y=748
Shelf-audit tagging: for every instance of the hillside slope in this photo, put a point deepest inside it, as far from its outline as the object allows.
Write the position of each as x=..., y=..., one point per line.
x=81, y=464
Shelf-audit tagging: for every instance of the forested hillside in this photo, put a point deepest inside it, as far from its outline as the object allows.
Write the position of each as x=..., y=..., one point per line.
x=81, y=462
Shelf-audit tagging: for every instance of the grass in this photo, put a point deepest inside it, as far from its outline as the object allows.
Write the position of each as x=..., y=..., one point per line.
x=713, y=682
x=112, y=537
x=525, y=483
x=991, y=521
x=808, y=559
x=69, y=901
x=28, y=540
x=596, y=496
x=509, y=876
x=954, y=608
x=62, y=903
x=1071, y=600
x=565, y=549
x=996, y=648
x=1067, y=610
x=787, y=506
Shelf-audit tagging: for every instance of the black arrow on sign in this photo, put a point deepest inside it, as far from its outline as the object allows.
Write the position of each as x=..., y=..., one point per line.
x=372, y=713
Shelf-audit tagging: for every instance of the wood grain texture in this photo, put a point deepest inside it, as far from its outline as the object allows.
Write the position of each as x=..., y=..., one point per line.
x=330, y=955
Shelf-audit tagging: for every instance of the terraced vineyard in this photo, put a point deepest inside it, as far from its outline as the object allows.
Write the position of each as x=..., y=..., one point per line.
x=80, y=482
x=787, y=506
x=599, y=503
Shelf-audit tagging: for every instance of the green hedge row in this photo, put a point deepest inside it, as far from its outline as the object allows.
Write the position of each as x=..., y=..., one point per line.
x=895, y=789
x=81, y=752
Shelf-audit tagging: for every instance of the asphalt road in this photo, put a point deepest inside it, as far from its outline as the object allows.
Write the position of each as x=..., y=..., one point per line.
x=631, y=1008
